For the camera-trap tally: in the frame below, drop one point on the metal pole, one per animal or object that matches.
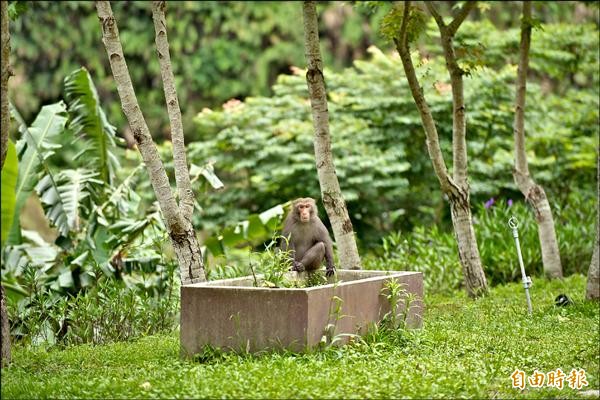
(514, 224)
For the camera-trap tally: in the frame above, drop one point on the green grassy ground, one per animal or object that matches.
(466, 349)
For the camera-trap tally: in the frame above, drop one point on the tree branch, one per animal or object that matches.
(438, 18)
(433, 144)
(182, 175)
(461, 16)
(521, 167)
(404, 25)
(459, 143)
(156, 170)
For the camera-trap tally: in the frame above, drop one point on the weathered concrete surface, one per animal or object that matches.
(232, 314)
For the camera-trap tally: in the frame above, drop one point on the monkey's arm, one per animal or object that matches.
(329, 257)
(326, 239)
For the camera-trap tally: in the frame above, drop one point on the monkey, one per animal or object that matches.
(307, 238)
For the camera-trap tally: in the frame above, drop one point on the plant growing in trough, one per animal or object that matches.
(275, 265)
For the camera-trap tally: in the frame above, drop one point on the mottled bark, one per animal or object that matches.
(533, 192)
(5, 331)
(330, 188)
(468, 252)
(182, 175)
(459, 135)
(592, 291)
(180, 229)
(5, 74)
(456, 187)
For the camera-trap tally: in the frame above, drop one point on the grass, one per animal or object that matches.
(466, 349)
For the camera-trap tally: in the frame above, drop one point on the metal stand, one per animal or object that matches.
(514, 225)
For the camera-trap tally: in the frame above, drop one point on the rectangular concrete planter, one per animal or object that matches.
(232, 314)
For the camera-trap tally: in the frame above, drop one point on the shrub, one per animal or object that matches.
(110, 311)
(434, 252)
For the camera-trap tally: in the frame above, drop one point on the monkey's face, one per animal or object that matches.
(304, 210)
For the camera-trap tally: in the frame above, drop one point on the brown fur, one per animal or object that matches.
(308, 240)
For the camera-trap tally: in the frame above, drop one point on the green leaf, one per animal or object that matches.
(10, 173)
(34, 147)
(66, 279)
(80, 259)
(89, 121)
(16, 9)
(271, 217)
(215, 246)
(391, 23)
(42, 256)
(256, 228)
(14, 290)
(63, 198)
(208, 172)
(234, 235)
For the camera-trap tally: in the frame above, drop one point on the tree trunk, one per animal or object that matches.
(5, 74)
(182, 175)
(456, 187)
(468, 252)
(330, 188)
(5, 331)
(533, 192)
(592, 291)
(180, 229)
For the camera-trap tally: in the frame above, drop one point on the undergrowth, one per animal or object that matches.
(466, 349)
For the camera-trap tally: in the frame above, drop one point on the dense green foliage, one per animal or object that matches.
(111, 310)
(225, 50)
(219, 50)
(459, 353)
(107, 263)
(262, 147)
(433, 252)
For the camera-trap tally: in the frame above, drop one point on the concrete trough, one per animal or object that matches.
(232, 314)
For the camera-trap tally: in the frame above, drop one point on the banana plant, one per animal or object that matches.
(10, 172)
(88, 121)
(36, 144)
(64, 197)
(101, 223)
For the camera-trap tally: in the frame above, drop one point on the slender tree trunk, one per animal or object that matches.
(330, 187)
(181, 232)
(592, 291)
(5, 74)
(456, 187)
(182, 175)
(533, 192)
(5, 331)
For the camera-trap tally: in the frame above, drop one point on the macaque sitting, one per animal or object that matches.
(308, 239)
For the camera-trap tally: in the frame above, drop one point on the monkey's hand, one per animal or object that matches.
(297, 266)
(329, 271)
